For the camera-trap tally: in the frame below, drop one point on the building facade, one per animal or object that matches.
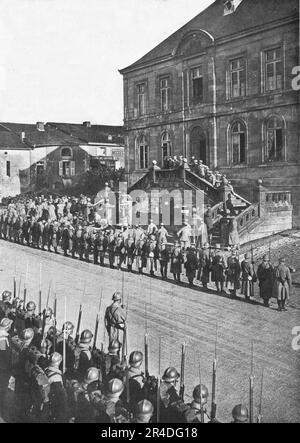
(220, 89)
(54, 155)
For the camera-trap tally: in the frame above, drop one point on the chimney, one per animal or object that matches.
(87, 124)
(22, 136)
(40, 126)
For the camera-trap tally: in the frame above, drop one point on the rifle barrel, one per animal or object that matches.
(146, 356)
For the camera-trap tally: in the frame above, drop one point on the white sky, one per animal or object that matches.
(59, 59)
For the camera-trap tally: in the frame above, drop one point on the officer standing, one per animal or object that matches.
(283, 284)
(265, 274)
(115, 318)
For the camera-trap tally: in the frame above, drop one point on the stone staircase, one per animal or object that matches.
(249, 215)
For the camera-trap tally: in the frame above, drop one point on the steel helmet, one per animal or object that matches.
(143, 411)
(114, 347)
(55, 359)
(31, 306)
(6, 296)
(200, 394)
(86, 336)
(68, 327)
(115, 387)
(6, 323)
(27, 334)
(117, 296)
(136, 359)
(91, 376)
(170, 375)
(240, 414)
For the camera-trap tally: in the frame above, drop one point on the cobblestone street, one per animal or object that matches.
(179, 314)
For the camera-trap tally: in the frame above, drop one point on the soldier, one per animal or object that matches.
(247, 278)
(152, 254)
(111, 246)
(120, 251)
(240, 414)
(5, 304)
(185, 234)
(85, 396)
(172, 408)
(65, 240)
(143, 412)
(58, 345)
(5, 326)
(191, 265)
(87, 242)
(96, 243)
(164, 258)
(115, 318)
(103, 243)
(130, 251)
(135, 377)
(204, 265)
(283, 284)
(109, 363)
(59, 409)
(176, 262)
(28, 319)
(197, 412)
(218, 268)
(83, 354)
(141, 254)
(162, 234)
(152, 228)
(110, 408)
(265, 274)
(233, 273)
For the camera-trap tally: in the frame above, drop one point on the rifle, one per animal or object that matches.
(214, 381)
(158, 384)
(48, 296)
(97, 322)
(25, 286)
(15, 287)
(260, 416)
(146, 357)
(201, 403)
(40, 290)
(251, 379)
(182, 386)
(123, 286)
(270, 251)
(64, 340)
(19, 290)
(79, 317)
(54, 313)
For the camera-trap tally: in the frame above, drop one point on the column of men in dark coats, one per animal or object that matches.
(147, 250)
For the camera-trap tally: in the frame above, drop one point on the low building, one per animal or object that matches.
(54, 155)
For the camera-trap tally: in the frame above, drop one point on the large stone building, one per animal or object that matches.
(54, 155)
(220, 89)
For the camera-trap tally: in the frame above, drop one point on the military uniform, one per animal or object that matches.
(283, 284)
(115, 319)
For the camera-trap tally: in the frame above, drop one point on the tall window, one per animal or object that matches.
(166, 145)
(8, 168)
(274, 69)
(197, 84)
(238, 78)
(66, 168)
(238, 143)
(275, 140)
(143, 153)
(165, 94)
(141, 97)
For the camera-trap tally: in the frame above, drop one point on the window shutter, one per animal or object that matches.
(72, 169)
(60, 172)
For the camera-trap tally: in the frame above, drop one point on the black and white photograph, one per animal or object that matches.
(149, 214)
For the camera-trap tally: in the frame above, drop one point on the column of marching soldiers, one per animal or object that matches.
(51, 375)
(149, 249)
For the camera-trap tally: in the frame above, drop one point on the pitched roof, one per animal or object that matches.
(249, 14)
(57, 134)
(93, 133)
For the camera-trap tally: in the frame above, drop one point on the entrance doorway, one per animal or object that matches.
(199, 145)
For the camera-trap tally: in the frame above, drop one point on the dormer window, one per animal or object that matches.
(230, 6)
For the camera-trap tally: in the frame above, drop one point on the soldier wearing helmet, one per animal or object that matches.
(172, 407)
(115, 317)
(197, 412)
(85, 396)
(83, 354)
(143, 412)
(283, 284)
(6, 304)
(59, 409)
(5, 325)
(109, 363)
(28, 319)
(110, 408)
(67, 331)
(240, 414)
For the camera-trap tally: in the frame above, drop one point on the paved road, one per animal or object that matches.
(177, 315)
